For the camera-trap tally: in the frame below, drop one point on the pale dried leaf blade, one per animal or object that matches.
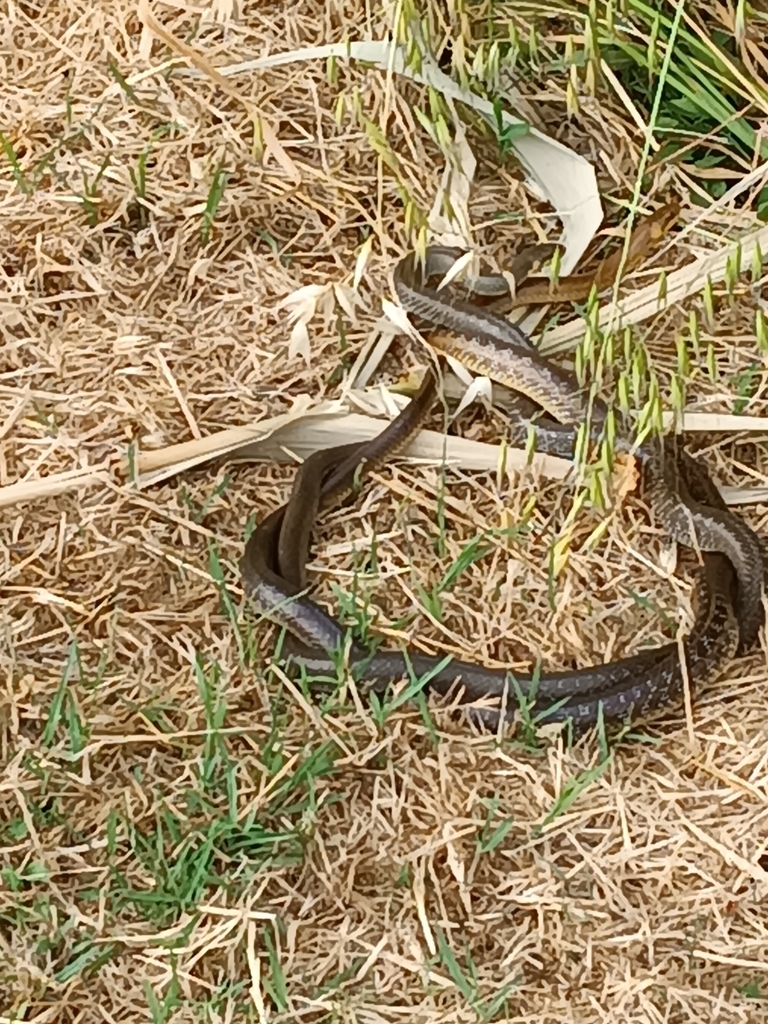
(479, 388)
(347, 299)
(456, 183)
(561, 176)
(463, 375)
(372, 352)
(361, 262)
(303, 301)
(305, 436)
(644, 303)
(459, 268)
(299, 343)
(399, 318)
(163, 463)
(25, 491)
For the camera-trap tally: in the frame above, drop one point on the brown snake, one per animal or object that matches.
(273, 564)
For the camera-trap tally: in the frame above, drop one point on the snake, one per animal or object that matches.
(639, 684)
(273, 563)
(577, 287)
(489, 344)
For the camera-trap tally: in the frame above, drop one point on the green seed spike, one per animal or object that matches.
(637, 382)
(533, 42)
(413, 55)
(426, 122)
(603, 468)
(501, 465)
(598, 370)
(514, 37)
(658, 412)
(494, 64)
(595, 347)
(642, 361)
(596, 493)
(571, 96)
(693, 324)
(591, 52)
(339, 108)
(622, 388)
(709, 304)
(677, 393)
(652, 418)
(652, 48)
(530, 444)
(589, 338)
(628, 348)
(653, 386)
(662, 287)
(609, 16)
(756, 270)
(593, 310)
(731, 275)
(712, 363)
(417, 228)
(590, 78)
(683, 360)
(560, 551)
(579, 501)
(761, 331)
(598, 481)
(408, 217)
(609, 349)
(606, 476)
(610, 434)
(740, 22)
(404, 17)
(578, 364)
(649, 409)
(380, 145)
(421, 242)
(442, 134)
(478, 63)
(528, 508)
(554, 265)
(568, 51)
(592, 541)
(331, 70)
(448, 210)
(592, 37)
(581, 445)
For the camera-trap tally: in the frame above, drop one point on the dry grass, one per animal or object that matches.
(185, 835)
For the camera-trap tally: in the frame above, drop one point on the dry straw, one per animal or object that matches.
(188, 833)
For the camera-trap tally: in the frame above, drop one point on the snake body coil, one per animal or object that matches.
(639, 684)
(491, 346)
(686, 500)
